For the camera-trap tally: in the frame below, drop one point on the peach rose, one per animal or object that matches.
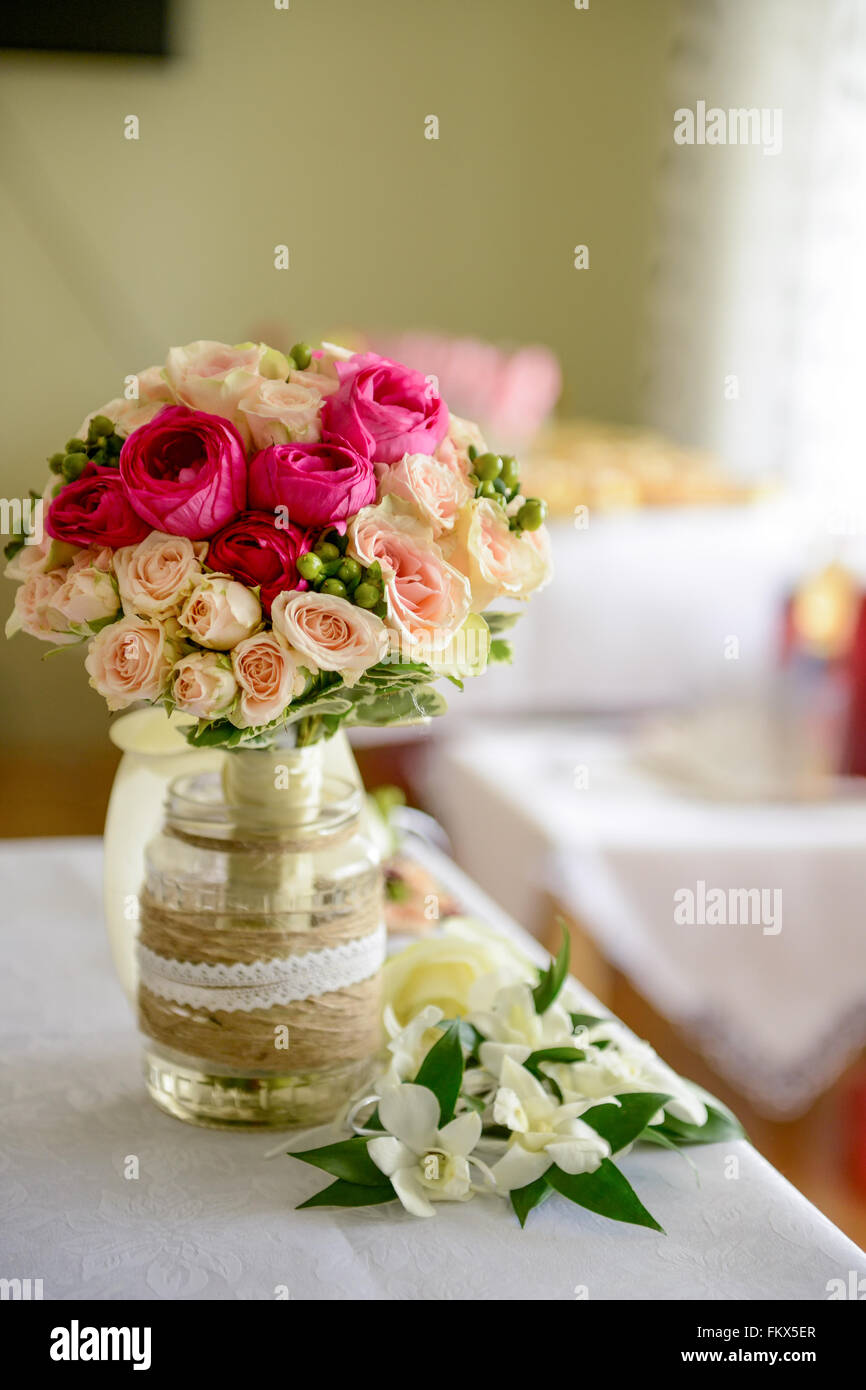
(428, 599)
(220, 612)
(34, 611)
(203, 684)
(215, 378)
(435, 487)
(87, 596)
(455, 445)
(130, 660)
(154, 394)
(330, 633)
(98, 557)
(283, 412)
(500, 563)
(269, 679)
(30, 559)
(155, 575)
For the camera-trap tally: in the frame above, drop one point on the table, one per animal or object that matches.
(566, 810)
(208, 1217)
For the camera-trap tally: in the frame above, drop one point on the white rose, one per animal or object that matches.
(220, 612)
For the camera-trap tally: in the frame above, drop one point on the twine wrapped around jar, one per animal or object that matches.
(261, 940)
(197, 997)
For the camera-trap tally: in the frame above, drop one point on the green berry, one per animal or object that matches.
(75, 446)
(487, 489)
(335, 587)
(374, 572)
(510, 474)
(366, 595)
(488, 467)
(349, 571)
(531, 515)
(73, 466)
(326, 552)
(55, 463)
(303, 355)
(100, 424)
(310, 567)
(381, 610)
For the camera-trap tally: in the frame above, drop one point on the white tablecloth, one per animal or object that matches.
(208, 1217)
(566, 811)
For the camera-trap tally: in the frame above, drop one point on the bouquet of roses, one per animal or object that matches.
(260, 540)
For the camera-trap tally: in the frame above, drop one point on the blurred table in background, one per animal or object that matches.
(778, 1006)
(642, 607)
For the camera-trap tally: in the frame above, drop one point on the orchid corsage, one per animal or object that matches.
(519, 1098)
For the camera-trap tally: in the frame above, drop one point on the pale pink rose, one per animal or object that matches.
(130, 660)
(155, 576)
(455, 445)
(215, 378)
(269, 678)
(499, 562)
(154, 394)
(87, 596)
(99, 557)
(283, 412)
(30, 559)
(34, 611)
(220, 612)
(329, 633)
(435, 487)
(428, 599)
(203, 684)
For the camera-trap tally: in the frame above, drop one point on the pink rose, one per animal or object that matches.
(330, 633)
(95, 510)
(88, 596)
(435, 487)
(261, 553)
(130, 660)
(499, 562)
(154, 576)
(455, 445)
(30, 559)
(280, 412)
(219, 612)
(203, 684)
(154, 393)
(185, 472)
(319, 484)
(384, 410)
(34, 611)
(269, 679)
(428, 600)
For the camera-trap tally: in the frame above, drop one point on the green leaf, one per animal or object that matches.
(349, 1159)
(586, 1020)
(524, 1199)
(350, 1194)
(720, 1125)
(501, 651)
(553, 1054)
(622, 1124)
(551, 980)
(470, 1037)
(500, 622)
(442, 1072)
(605, 1191)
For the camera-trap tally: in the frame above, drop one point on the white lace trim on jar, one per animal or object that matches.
(262, 984)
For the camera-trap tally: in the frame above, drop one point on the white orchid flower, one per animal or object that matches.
(544, 1132)
(624, 1067)
(514, 1029)
(424, 1163)
(410, 1045)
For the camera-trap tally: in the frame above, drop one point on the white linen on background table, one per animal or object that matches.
(780, 1015)
(210, 1218)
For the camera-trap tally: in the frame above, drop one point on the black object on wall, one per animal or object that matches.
(134, 27)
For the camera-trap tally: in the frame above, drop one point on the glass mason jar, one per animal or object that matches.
(260, 944)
